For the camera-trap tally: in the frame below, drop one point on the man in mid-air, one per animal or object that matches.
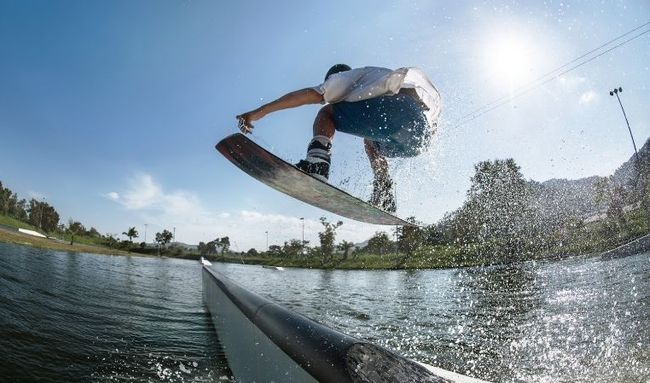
(394, 111)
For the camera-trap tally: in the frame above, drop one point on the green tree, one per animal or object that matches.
(50, 218)
(109, 240)
(131, 233)
(21, 211)
(292, 248)
(164, 238)
(410, 238)
(603, 190)
(42, 215)
(379, 244)
(93, 233)
(496, 212)
(613, 197)
(345, 247)
(327, 237)
(202, 248)
(74, 228)
(224, 244)
(8, 201)
(434, 235)
(617, 202)
(274, 251)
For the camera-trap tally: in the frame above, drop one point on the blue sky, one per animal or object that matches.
(110, 110)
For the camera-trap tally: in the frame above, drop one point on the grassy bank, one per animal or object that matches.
(581, 239)
(18, 238)
(13, 222)
(430, 257)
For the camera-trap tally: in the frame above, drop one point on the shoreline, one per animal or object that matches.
(363, 262)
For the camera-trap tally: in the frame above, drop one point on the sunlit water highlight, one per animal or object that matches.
(81, 317)
(578, 320)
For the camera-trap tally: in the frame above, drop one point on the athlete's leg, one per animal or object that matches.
(324, 123)
(382, 186)
(378, 162)
(317, 162)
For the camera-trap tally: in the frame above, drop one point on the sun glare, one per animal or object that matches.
(509, 59)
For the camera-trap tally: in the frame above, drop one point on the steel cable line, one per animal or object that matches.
(554, 74)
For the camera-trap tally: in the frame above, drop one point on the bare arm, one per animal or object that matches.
(378, 162)
(289, 100)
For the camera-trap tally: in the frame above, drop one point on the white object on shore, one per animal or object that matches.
(205, 262)
(31, 232)
(280, 268)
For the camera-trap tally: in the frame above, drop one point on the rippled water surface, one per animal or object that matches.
(577, 320)
(80, 317)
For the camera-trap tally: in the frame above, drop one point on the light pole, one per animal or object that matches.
(145, 233)
(40, 216)
(641, 170)
(615, 92)
(302, 247)
(174, 235)
(267, 240)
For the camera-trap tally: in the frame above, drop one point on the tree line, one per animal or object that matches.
(44, 217)
(36, 213)
(499, 221)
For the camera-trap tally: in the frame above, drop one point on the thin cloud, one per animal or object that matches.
(571, 83)
(113, 196)
(588, 97)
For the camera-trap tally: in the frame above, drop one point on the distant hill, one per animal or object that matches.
(628, 173)
(556, 199)
(184, 245)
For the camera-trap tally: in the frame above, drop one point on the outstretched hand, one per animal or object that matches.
(245, 122)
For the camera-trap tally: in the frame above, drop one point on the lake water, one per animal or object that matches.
(82, 317)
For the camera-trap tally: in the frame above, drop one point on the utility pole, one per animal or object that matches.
(267, 240)
(145, 233)
(174, 235)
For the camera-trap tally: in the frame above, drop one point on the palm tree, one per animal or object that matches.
(345, 247)
(131, 233)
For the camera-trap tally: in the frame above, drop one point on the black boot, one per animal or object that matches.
(320, 170)
(317, 163)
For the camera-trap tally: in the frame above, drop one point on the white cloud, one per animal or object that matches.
(588, 97)
(194, 222)
(145, 194)
(114, 196)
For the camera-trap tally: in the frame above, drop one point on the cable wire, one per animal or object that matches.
(554, 73)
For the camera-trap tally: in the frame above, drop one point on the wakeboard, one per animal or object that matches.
(273, 171)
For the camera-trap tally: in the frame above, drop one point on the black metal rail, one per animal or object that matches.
(325, 354)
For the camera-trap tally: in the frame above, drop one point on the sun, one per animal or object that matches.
(509, 59)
